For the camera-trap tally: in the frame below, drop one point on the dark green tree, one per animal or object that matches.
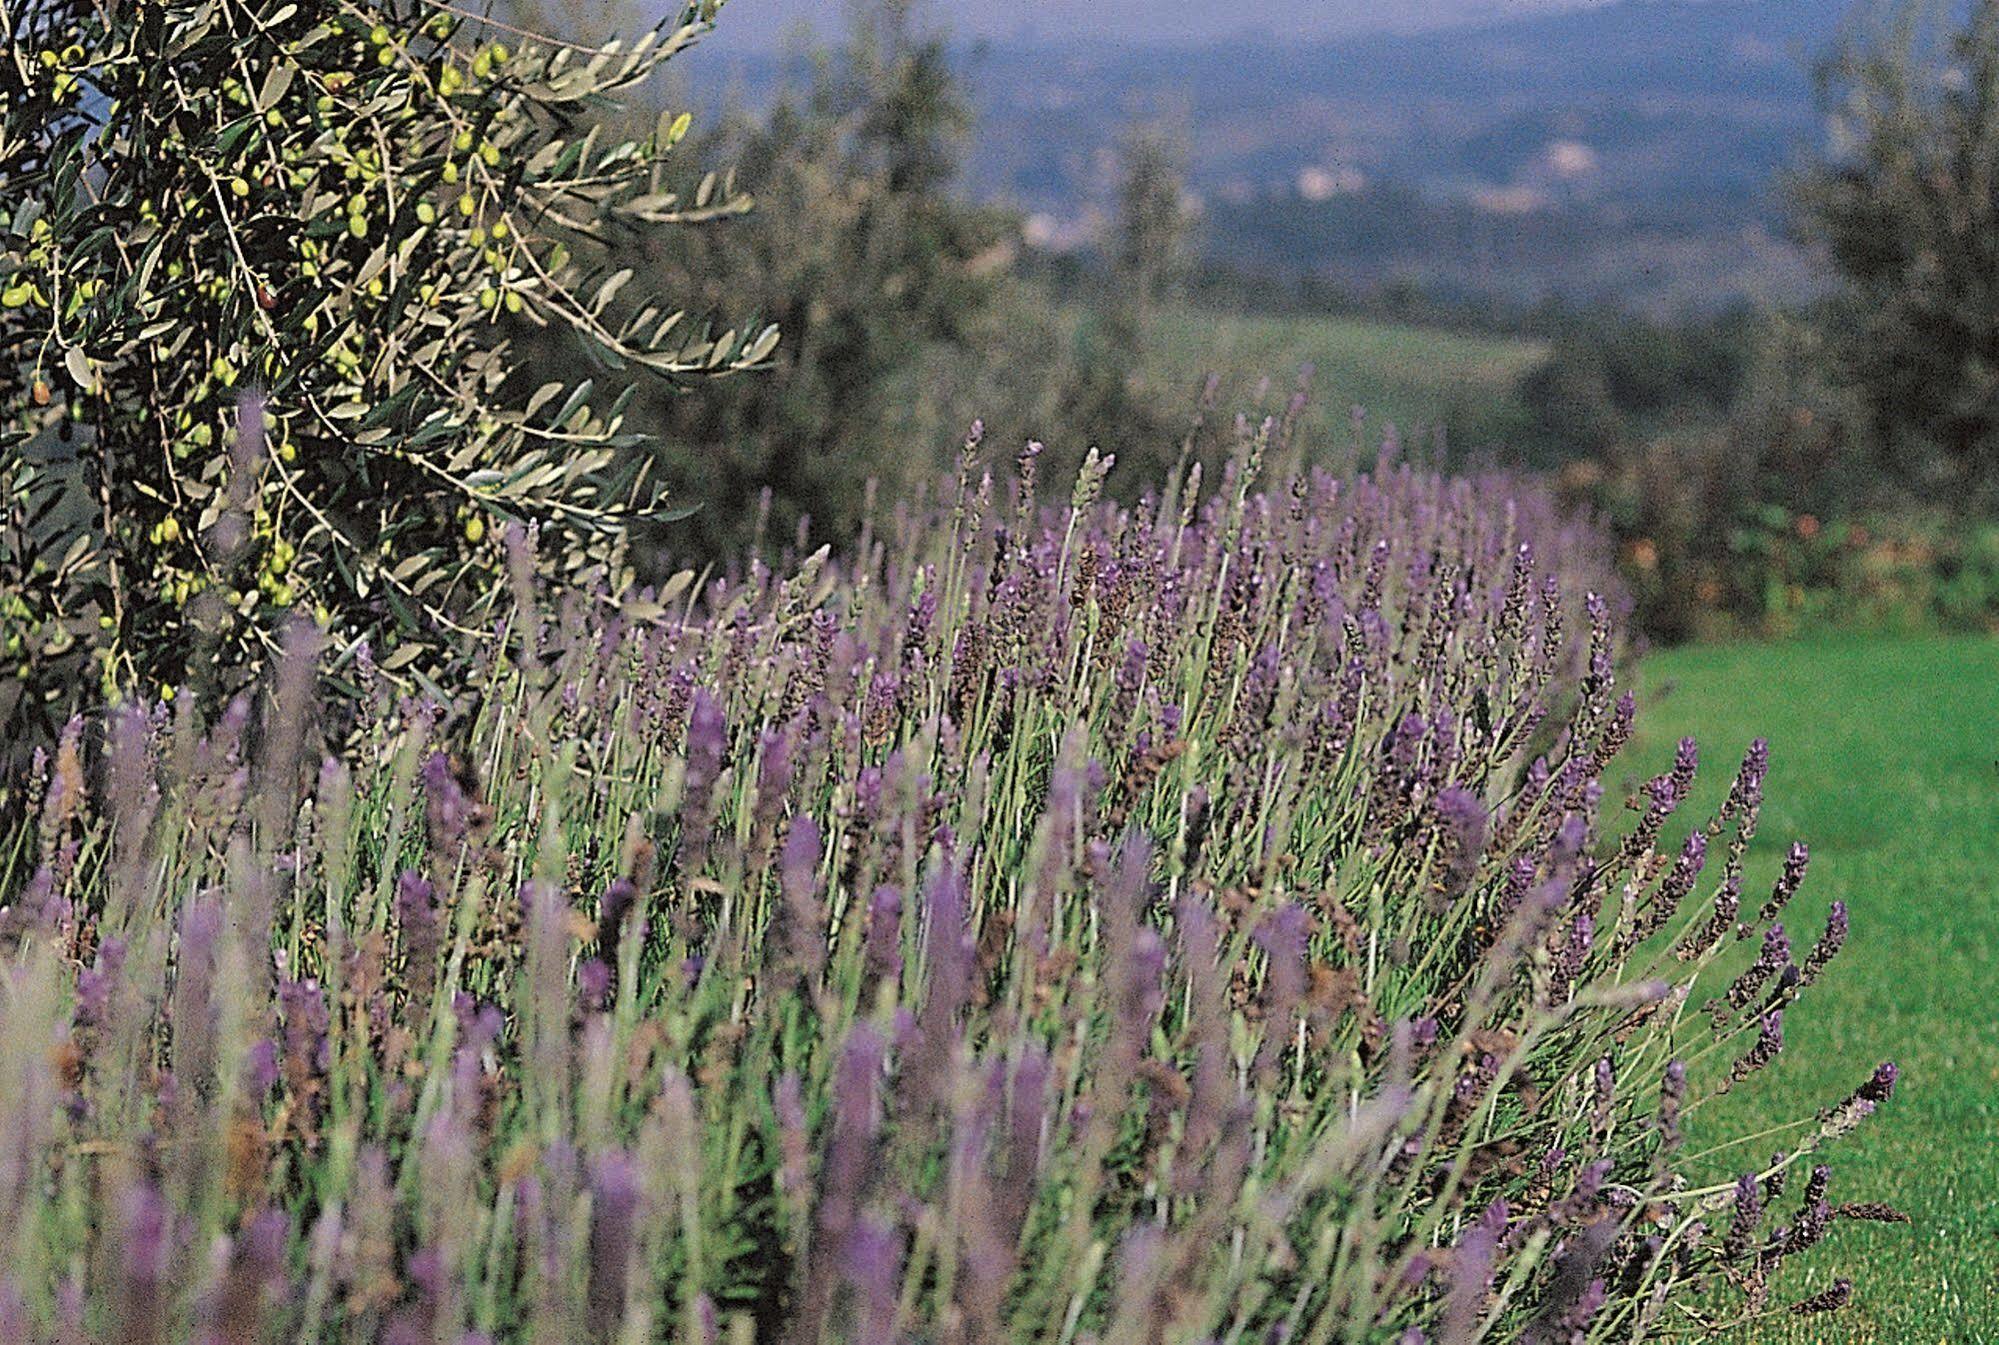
(1153, 226)
(1145, 260)
(860, 255)
(1907, 209)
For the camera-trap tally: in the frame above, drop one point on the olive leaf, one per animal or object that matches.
(278, 252)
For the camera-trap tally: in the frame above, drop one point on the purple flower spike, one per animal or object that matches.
(1672, 1099)
(1464, 819)
(1828, 946)
(1748, 1214)
(614, 1201)
(1788, 882)
(1769, 1041)
(1881, 1086)
(1471, 1276)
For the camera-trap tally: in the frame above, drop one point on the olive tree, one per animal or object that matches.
(332, 211)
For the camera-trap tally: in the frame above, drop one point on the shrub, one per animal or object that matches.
(1611, 378)
(1778, 519)
(1897, 572)
(1081, 923)
(1709, 555)
(334, 203)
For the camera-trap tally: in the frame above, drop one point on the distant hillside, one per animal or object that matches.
(754, 24)
(1628, 151)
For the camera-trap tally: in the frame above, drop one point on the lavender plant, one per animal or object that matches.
(1200, 921)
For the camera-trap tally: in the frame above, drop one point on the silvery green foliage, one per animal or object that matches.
(343, 204)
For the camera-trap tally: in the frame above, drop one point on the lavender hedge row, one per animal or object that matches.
(1205, 921)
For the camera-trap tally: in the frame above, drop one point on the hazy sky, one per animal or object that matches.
(758, 23)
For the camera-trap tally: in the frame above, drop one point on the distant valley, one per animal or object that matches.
(1629, 153)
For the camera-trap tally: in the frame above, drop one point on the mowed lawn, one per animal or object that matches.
(1885, 760)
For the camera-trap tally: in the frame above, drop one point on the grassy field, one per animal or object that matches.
(1885, 760)
(1412, 376)
(1415, 377)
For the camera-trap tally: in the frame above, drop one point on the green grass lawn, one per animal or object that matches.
(1885, 760)
(1413, 376)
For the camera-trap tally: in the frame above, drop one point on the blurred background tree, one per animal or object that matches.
(1146, 258)
(1150, 245)
(864, 261)
(1907, 209)
(906, 309)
